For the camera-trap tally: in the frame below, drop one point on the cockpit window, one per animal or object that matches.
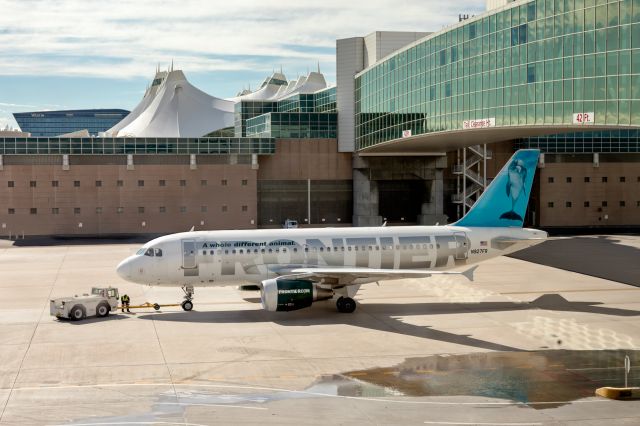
(149, 252)
(158, 252)
(141, 251)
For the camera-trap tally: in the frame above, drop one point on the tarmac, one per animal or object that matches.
(526, 343)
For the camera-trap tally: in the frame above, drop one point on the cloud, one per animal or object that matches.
(124, 39)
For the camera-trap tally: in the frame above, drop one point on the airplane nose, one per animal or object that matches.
(124, 269)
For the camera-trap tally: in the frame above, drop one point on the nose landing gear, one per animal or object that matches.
(187, 304)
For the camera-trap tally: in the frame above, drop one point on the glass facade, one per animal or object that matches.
(615, 141)
(246, 110)
(294, 125)
(323, 101)
(56, 123)
(542, 62)
(105, 146)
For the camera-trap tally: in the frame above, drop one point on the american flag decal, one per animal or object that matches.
(483, 243)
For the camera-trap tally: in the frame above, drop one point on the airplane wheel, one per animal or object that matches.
(346, 305)
(187, 305)
(156, 306)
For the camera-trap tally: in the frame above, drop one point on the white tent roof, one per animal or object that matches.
(272, 88)
(173, 107)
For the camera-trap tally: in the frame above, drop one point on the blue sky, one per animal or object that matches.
(68, 54)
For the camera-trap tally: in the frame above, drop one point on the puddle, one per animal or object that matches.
(544, 379)
(540, 380)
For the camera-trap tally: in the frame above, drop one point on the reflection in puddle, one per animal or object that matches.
(543, 379)
(537, 378)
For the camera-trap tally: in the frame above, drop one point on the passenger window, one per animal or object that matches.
(295, 249)
(149, 252)
(270, 250)
(204, 252)
(158, 252)
(211, 252)
(349, 248)
(241, 251)
(342, 248)
(226, 252)
(306, 249)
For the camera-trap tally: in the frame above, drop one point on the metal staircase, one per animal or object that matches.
(471, 172)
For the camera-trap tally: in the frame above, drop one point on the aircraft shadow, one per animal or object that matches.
(387, 317)
(602, 256)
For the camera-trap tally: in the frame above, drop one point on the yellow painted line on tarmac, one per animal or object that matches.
(358, 374)
(424, 371)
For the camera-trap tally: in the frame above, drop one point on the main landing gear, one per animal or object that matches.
(187, 305)
(346, 305)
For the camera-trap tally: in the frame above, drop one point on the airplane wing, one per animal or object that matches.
(353, 276)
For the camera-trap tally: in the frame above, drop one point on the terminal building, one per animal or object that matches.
(56, 123)
(414, 129)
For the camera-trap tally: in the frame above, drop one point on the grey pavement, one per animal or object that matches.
(525, 343)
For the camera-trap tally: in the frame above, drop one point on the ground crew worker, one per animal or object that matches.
(124, 300)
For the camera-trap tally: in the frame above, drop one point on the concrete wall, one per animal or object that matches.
(349, 61)
(315, 159)
(379, 44)
(227, 206)
(577, 192)
(284, 190)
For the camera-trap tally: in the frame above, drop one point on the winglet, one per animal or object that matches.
(469, 272)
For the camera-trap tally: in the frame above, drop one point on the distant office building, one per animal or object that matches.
(56, 123)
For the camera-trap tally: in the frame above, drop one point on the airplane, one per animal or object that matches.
(296, 267)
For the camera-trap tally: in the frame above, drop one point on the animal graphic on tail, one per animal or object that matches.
(516, 186)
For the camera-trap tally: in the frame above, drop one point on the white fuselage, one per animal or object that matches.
(218, 258)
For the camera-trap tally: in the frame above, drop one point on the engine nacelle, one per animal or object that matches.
(290, 295)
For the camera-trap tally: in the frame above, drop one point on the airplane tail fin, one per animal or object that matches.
(504, 202)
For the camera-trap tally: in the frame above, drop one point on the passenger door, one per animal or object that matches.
(189, 254)
(462, 245)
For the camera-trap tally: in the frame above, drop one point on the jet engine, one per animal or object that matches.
(290, 295)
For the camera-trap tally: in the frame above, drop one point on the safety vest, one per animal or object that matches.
(124, 298)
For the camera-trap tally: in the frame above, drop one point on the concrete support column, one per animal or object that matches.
(65, 162)
(193, 164)
(365, 196)
(1, 163)
(254, 162)
(130, 165)
(433, 207)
